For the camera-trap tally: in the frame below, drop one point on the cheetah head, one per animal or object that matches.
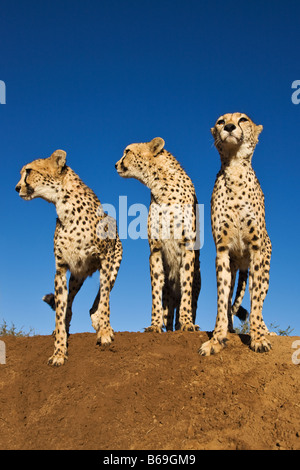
(233, 132)
(138, 159)
(39, 178)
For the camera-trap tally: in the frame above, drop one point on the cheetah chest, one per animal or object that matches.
(231, 229)
(80, 255)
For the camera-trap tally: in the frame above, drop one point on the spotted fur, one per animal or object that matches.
(239, 231)
(85, 241)
(174, 261)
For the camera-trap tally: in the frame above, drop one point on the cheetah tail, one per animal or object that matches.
(237, 309)
(242, 314)
(49, 299)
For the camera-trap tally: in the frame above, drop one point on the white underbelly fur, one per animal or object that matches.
(172, 259)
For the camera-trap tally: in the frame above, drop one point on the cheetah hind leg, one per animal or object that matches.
(117, 261)
(116, 265)
(105, 333)
(100, 312)
(103, 337)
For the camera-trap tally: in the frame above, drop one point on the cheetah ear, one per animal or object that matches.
(156, 145)
(59, 159)
(258, 130)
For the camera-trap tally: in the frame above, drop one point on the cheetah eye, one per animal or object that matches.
(243, 119)
(221, 122)
(28, 171)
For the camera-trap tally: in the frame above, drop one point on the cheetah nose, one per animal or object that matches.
(116, 166)
(18, 188)
(229, 127)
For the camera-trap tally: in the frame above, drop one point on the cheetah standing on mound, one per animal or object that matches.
(172, 233)
(85, 241)
(239, 230)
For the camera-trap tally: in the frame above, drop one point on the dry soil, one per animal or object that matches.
(149, 391)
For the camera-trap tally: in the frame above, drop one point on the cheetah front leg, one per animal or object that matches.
(196, 285)
(258, 330)
(157, 283)
(101, 317)
(219, 338)
(61, 297)
(186, 283)
(266, 258)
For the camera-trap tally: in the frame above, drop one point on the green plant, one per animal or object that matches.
(5, 330)
(244, 329)
(276, 329)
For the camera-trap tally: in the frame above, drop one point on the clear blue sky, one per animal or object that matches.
(91, 77)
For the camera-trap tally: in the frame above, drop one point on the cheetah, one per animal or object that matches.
(172, 234)
(239, 231)
(85, 241)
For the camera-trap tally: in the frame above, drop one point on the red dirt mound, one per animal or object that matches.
(149, 392)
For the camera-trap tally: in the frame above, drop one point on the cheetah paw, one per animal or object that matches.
(262, 345)
(57, 360)
(153, 329)
(213, 346)
(189, 327)
(105, 337)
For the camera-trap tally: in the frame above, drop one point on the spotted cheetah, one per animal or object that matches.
(239, 230)
(172, 233)
(85, 241)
